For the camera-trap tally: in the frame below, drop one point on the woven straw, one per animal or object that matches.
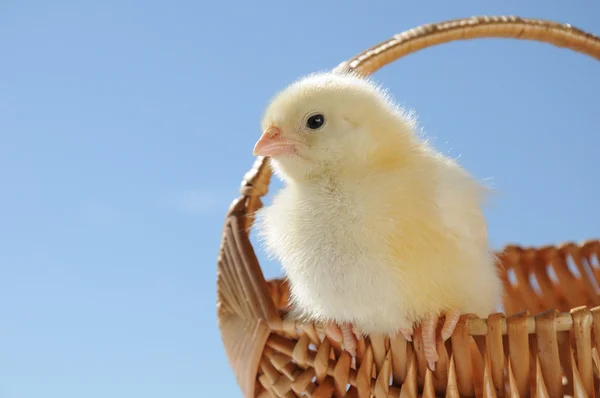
(549, 354)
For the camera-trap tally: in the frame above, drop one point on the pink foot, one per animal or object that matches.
(428, 333)
(343, 334)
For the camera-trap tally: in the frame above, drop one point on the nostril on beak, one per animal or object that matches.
(272, 132)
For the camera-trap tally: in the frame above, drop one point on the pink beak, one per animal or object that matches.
(272, 143)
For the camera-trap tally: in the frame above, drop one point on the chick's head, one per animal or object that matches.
(329, 123)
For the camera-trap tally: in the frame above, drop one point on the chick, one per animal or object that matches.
(376, 231)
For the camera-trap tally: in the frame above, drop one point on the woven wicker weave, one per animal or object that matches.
(547, 355)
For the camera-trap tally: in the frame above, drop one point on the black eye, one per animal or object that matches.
(315, 121)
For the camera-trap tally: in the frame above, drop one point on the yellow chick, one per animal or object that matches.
(376, 232)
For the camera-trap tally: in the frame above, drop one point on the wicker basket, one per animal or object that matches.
(551, 354)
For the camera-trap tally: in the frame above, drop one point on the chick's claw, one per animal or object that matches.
(407, 333)
(428, 329)
(343, 334)
(428, 334)
(452, 318)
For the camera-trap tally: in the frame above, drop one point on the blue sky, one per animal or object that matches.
(126, 127)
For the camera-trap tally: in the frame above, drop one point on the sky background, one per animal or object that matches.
(126, 127)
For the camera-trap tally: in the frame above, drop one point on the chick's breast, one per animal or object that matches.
(329, 240)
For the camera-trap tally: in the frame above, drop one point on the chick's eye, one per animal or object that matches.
(315, 121)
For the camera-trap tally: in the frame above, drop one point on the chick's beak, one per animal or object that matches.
(272, 143)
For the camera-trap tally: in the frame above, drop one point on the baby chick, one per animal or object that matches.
(376, 232)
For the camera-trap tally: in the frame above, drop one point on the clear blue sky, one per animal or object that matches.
(126, 127)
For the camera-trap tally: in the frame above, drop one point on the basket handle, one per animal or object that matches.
(256, 181)
(511, 27)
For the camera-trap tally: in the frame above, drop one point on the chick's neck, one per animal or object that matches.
(364, 166)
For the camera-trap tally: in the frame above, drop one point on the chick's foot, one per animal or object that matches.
(344, 334)
(428, 330)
